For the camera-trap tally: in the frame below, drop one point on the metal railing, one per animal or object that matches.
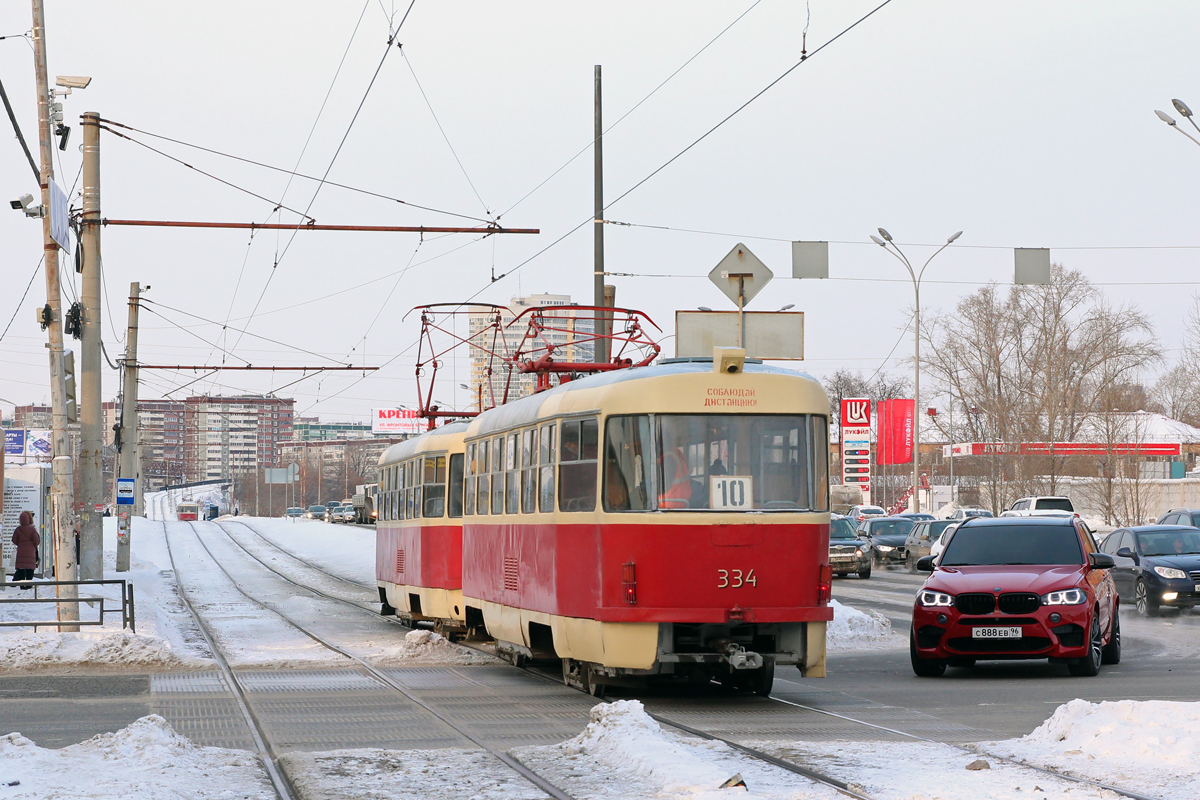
(126, 610)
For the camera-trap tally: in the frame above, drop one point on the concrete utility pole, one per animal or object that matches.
(601, 349)
(62, 500)
(91, 418)
(128, 451)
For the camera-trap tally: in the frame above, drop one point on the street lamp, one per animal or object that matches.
(1182, 108)
(887, 244)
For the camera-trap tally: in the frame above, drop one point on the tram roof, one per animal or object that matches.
(526, 411)
(423, 443)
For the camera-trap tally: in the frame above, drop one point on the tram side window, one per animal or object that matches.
(529, 471)
(512, 477)
(577, 465)
(483, 492)
(433, 490)
(455, 504)
(627, 457)
(546, 453)
(820, 460)
(410, 494)
(472, 482)
(498, 475)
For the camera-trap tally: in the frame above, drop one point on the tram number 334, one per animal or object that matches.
(735, 579)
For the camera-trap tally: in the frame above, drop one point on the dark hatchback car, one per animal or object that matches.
(1156, 565)
(1017, 588)
(887, 536)
(847, 552)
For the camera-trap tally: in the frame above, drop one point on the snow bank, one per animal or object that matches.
(624, 753)
(146, 761)
(426, 648)
(52, 650)
(1146, 745)
(852, 629)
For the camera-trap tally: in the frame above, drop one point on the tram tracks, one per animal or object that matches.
(260, 735)
(808, 771)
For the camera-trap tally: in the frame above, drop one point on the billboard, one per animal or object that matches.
(14, 443)
(396, 420)
(856, 444)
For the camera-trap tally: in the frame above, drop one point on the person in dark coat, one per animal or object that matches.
(26, 538)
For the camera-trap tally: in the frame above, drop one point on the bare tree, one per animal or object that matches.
(1033, 365)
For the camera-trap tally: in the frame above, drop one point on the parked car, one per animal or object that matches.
(968, 513)
(1040, 506)
(1156, 565)
(915, 515)
(847, 552)
(1017, 588)
(858, 513)
(294, 512)
(920, 540)
(315, 512)
(1181, 516)
(887, 536)
(939, 544)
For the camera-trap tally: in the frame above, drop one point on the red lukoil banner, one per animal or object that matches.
(895, 431)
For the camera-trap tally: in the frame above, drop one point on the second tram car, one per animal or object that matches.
(418, 528)
(665, 520)
(187, 511)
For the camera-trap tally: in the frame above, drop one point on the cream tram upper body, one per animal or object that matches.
(607, 506)
(418, 528)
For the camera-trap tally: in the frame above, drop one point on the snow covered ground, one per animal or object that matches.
(145, 761)
(623, 754)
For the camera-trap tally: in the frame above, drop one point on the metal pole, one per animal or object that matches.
(954, 375)
(91, 419)
(601, 354)
(917, 397)
(741, 311)
(62, 498)
(127, 464)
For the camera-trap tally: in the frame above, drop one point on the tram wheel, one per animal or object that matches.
(596, 690)
(763, 679)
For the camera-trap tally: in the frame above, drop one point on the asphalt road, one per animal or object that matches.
(1160, 661)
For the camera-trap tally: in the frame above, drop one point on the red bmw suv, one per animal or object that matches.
(1017, 588)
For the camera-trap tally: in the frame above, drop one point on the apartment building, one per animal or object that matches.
(227, 436)
(480, 317)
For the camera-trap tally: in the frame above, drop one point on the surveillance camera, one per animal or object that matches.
(73, 81)
(731, 360)
(21, 202)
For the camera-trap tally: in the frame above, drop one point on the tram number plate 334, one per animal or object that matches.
(735, 579)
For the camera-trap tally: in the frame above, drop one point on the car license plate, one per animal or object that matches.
(1198, 587)
(995, 633)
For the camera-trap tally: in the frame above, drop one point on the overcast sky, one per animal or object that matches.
(1024, 124)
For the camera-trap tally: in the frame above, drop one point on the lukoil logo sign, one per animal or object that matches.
(856, 411)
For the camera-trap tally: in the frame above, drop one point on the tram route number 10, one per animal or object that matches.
(734, 579)
(731, 491)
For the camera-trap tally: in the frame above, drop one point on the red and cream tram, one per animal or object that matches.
(418, 528)
(670, 519)
(185, 512)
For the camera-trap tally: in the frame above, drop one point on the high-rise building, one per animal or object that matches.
(567, 350)
(228, 436)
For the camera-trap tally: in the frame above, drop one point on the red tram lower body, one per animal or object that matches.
(645, 599)
(418, 569)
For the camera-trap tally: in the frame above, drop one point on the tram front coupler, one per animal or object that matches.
(737, 656)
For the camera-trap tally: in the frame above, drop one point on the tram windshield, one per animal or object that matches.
(721, 462)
